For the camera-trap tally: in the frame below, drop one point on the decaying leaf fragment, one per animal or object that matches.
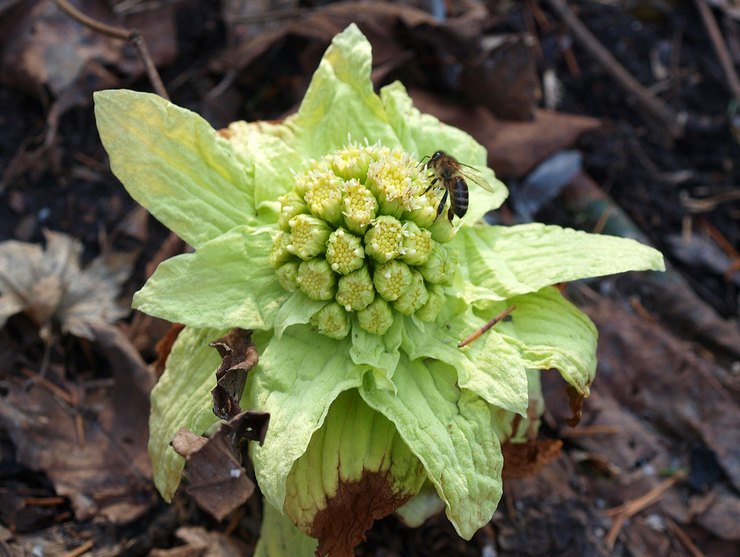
(50, 287)
(238, 356)
(218, 481)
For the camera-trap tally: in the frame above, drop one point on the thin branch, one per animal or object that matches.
(120, 33)
(672, 121)
(720, 48)
(480, 332)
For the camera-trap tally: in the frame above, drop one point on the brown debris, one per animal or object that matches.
(217, 480)
(576, 401)
(364, 501)
(107, 473)
(527, 459)
(200, 542)
(164, 347)
(238, 356)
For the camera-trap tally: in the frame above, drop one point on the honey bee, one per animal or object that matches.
(448, 171)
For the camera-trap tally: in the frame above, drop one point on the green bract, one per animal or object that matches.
(319, 235)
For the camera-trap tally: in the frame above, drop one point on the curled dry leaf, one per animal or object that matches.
(218, 481)
(238, 356)
(49, 285)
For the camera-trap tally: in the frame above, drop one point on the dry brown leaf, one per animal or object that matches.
(50, 287)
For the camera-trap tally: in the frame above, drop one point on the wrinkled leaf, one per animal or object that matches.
(448, 429)
(299, 375)
(49, 285)
(181, 399)
(355, 465)
(182, 167)
(226, 283)
(500, 262)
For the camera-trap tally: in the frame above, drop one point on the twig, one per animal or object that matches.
(480, 332)
(631, 508)
(80, 549)
(131, 35)
(684, 538)
(725, 60)
(673, 122)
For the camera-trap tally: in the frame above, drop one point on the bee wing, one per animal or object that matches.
(472, 174)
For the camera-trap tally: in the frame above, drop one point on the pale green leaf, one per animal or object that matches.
(423, 134)
(550, 333)
(449, 430)
(498, 262)
(490, 367)
(227, 282)
(269, 150)
(298, 309)
(298, 377)
(379, 352)
(354, 443)
(181, 398)
(340, 104)
(173, 163)
(421, 506)
(280, 538)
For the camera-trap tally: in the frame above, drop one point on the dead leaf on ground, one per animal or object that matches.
(653, 374)
(217, 481)
(50, 287)
(514, 148)
(43, 47)
(200, 542)
(106, 472)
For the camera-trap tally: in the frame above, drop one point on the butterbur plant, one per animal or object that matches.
(320, 234)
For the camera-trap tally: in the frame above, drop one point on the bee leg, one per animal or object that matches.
(442, 204)
(450, 214)
(431, 185)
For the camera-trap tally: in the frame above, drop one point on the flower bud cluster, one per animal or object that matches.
(360, 231)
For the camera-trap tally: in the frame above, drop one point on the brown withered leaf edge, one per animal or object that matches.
(217, 480)
(342, 524)
(164, 347)
(238, 356)
(522, 460)
(576, 405)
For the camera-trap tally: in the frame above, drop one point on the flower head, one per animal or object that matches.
(324, 239)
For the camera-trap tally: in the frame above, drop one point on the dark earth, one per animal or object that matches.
(653, 468)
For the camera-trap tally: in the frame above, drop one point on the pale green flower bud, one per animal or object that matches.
(355, 291)
(350, 162)
(392, 279)
(291, 204)
(376, 318)
(308, 236)
(396, 180)
(414, 297)
(287, 276)
(316, 279)
(332, 321)
(437, 269)
(280, 253)
(424, 212)
(344, 252)
(324, 192)
(433, 307)
(417, 244)
(359, 206)
(384, 240)
(442, 229)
